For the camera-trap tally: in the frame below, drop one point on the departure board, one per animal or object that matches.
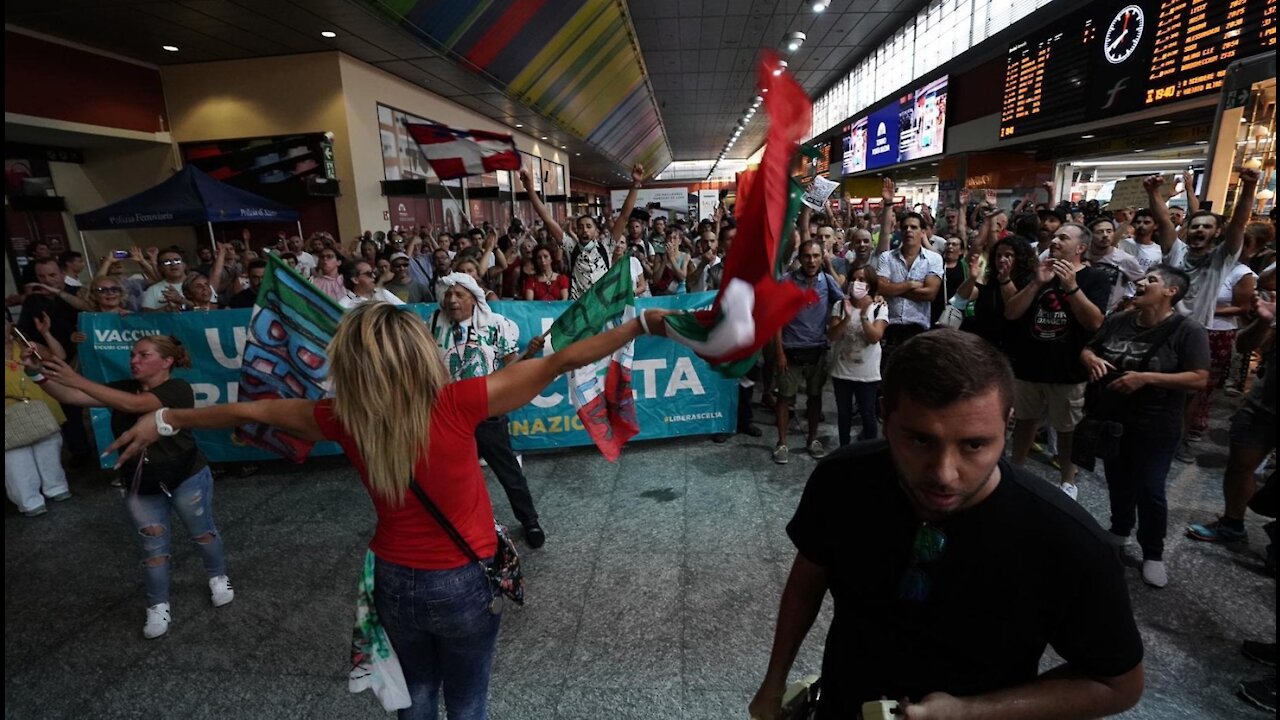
(1118, 56)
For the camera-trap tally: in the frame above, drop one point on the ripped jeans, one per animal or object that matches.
(150, 517)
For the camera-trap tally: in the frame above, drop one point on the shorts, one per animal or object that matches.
(1252, 427)
(1061, 404)
(811, 377)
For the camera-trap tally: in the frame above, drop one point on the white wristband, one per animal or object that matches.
(162, 427)
(643, 324)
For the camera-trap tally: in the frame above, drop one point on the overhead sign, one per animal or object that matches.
(1118, 56)
(669, 198)
(910, 128)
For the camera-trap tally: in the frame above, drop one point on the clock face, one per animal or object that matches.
(1123, 34)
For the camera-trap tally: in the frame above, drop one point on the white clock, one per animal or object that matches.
(1124, 33)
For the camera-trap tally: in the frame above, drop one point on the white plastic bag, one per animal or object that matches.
(374, 665)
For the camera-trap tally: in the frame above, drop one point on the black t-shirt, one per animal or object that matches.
(171, 459)
(63, 319)
(1123, 343)
(244, 299)
(953, 279)
(1023, 569)
(1044, 344)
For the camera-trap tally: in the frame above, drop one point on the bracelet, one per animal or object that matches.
(1073, 290)
(644, 325)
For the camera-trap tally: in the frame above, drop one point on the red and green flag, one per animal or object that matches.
(601, 391)
(753, 304)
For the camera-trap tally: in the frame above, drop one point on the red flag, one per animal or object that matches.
(760, 212)
(455, 153)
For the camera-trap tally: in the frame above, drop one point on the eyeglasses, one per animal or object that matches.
(399, 266)
(926, 549)
(366, 273)
(171, 262)
(107, 290)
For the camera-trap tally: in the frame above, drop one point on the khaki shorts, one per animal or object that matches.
(1060, 404)
(810, 378)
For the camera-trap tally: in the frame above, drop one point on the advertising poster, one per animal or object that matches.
(855, 148)
(922, 117)
(882, 142)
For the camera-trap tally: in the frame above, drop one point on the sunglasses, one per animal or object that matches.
(171, 262)
(926, 550)
(107, 290)
(399, 266)
(367, 273)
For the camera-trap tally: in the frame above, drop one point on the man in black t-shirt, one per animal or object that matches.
(1051, 320)
(963, 568)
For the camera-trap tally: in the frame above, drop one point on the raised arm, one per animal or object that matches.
(70, 387)
(1159, 206)
(1189, 187)
(219, 264)
(1233, 240)
(1018, 305)
(553, 228)
(512, 387)
(887, 191)
(620, 224)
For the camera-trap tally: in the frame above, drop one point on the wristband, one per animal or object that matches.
(162, 427)
(1073, 290)
(644, 325)
(38, 378)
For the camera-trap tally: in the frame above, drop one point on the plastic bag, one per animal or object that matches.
(374, 664)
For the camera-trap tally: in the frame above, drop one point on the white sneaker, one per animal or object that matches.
(1070, 489)
(157, 621)
(1154, 574)
(220, 590)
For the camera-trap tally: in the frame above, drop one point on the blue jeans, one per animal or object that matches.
(150, 517)
(1136, 486)
(846, 392)
(440, 625)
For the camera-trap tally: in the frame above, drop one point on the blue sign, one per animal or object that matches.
(882, 137)
(677, 393)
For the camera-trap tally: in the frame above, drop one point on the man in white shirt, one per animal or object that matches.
(306, 261)
(1143, 246)
(910, 277)
(364, 285)
(173, 272)
(1121, 267)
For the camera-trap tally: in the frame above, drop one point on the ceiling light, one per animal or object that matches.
(1202, 142)
(782, 65)
(795, 40)
(1139, 150)
(577, 154)
(169, 48)
(519, 125)
(820, 5)
(1087, 137)
(1163, 122)
(764, 90)
(564, 147)
(329, 34)
(544, 137)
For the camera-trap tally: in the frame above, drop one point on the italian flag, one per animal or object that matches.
(601, 392)
(753, 304)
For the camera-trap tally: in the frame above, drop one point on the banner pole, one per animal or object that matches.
(84, 248)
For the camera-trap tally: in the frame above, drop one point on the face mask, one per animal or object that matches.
(859, 289)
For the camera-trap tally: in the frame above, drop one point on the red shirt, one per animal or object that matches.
(543, 291)
(406, 533)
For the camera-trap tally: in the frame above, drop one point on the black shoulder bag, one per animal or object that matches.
(1100, 432)
(504, 573)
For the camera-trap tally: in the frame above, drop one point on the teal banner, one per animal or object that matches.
(677, 393)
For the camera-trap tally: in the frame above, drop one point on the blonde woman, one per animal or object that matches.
(400, 420)
(32, 472)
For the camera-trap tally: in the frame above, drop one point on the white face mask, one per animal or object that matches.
(859, 289)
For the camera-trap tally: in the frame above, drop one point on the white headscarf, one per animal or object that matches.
(483, 314)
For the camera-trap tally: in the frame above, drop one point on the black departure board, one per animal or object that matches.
(1118, 56)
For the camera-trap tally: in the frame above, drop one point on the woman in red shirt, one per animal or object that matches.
(400, 420)
(546, 284)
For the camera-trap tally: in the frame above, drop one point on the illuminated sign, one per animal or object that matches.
(1118, 56)
(910, 128)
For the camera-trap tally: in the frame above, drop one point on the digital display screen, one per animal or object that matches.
(855, 148)
(882, 137)
(922, 121)
(1118, 56)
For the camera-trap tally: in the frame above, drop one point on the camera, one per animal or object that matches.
(120, 254)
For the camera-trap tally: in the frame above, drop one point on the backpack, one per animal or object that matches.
(577, 252)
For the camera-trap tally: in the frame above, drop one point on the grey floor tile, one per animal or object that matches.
(589, 703)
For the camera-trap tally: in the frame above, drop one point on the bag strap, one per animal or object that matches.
(1162, 335)
(443, 521)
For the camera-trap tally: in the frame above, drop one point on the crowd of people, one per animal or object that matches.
(1086, 333)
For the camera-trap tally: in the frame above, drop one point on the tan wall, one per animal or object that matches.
(365, 87)
(109, 174)
(266, 97)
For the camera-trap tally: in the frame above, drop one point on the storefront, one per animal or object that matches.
(1244, 133)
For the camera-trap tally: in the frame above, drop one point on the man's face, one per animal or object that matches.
(946, 457)
(294, 244)
(1049, 225)
(1151, 290)
(660, 226)
(951, 217)
(1066, 244)
(811, 259)
(255, 278)
(50, 274)
(400, 266)
(635, 228)
(1201, 233)
(1143, 226)
(75, 266)
(464, 242)
(365, 279)
(1176, 215)
(912, 231)
(458, 303)
(41, 251)
(861, 244)
(440, 260)
(1104, 234)
(205, 254)
(315, 244)
(827, 236)
(954, 248)
(172, 267)
(710, 242)
(586, 229)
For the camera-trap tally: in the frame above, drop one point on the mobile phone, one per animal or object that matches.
(120, 254)
(27, 342)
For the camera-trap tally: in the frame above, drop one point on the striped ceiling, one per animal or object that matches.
(576, 62)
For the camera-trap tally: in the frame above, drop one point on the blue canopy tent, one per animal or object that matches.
(190, 197)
